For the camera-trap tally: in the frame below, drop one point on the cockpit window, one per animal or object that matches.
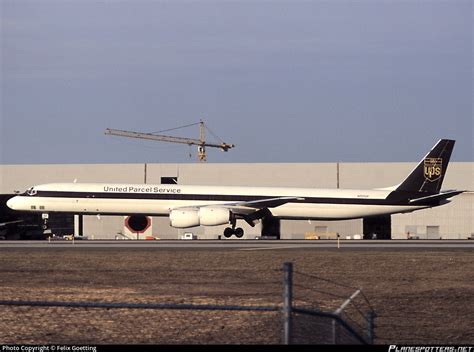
(31, 191)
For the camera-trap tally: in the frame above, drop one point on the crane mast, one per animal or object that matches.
(201, 142)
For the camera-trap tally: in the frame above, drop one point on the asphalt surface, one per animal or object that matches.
(248, 245)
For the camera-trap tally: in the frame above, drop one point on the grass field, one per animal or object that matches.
(419, 296)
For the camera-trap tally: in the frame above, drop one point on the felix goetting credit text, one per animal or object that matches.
(48, 348)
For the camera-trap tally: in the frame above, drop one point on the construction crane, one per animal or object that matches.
(201, 142)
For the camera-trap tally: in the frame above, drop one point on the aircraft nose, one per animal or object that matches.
(12, 203)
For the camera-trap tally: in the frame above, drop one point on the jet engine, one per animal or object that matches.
(183, 218)
(214, 216)
(207, 216)
(137, 223)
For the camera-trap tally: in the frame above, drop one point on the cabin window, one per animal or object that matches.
(42, 207)
(33, 207)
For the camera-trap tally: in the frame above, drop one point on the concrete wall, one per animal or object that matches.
(20, 177)
(455, 220)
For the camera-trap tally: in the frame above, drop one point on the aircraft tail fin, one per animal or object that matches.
(428, 175)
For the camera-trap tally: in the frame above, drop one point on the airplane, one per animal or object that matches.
(190, 206)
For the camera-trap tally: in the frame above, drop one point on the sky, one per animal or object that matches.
(285, 81)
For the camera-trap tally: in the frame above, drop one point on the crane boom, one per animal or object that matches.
(158, 137)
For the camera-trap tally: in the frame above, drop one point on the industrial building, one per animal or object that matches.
(452, 221)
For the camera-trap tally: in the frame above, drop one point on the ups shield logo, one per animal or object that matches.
(433, 168)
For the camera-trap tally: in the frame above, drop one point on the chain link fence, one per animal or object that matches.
(303, 316)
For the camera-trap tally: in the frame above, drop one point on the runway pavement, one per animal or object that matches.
(247, 245)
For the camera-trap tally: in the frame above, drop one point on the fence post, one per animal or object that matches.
(370, 326)
(287, 301)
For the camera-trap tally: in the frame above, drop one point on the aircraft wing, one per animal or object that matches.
(262, 203)
(254, 210)
(246, 208)
(254, 206)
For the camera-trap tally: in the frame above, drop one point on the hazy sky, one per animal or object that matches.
(285, 81)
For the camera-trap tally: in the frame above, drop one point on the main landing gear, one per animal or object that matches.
(229, 231)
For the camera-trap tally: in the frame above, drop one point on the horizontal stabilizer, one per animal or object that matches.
(434, 198)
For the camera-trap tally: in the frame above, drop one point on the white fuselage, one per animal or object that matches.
(159, 200)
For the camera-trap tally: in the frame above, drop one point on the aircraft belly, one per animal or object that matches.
(127, 206)
(101, 206)
(336, 211)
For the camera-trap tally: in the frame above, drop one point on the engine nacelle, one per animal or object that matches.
(207, 216)
(138, 223)
(182, 218)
